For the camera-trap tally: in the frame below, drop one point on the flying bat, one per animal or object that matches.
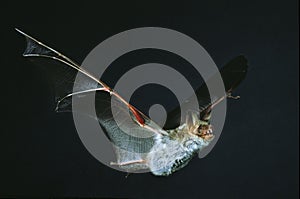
(166, 150)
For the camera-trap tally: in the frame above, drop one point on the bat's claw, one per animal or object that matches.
(127, 175)
(233, 97)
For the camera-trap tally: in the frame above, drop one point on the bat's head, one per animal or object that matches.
(200, 128)
(205, 132)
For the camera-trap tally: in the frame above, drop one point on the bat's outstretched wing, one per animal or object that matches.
(63, 71)
(232, 74)
(59, 68)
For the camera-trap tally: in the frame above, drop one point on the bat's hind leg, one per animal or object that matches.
(128, 162)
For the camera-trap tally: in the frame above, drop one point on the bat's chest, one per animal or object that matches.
(168, 156)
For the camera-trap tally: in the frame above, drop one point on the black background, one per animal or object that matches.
(257, 155)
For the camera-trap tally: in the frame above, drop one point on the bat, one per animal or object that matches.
(165, 150)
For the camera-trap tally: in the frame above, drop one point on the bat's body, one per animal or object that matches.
(165, 151)
(173, 151)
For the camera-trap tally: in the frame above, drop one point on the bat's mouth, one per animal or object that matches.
(205, 132)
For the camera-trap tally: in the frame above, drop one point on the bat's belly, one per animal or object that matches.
(166, 158)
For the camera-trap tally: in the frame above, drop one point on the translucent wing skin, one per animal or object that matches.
(136, 138)
(63, 72)
(233, 73)
(59, 68)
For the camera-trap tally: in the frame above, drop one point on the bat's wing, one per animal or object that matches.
(132, 135)
(58, 67)
(233, 73)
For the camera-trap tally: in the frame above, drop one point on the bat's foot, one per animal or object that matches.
(128, 163)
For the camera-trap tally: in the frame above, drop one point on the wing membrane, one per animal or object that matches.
(133, 124)
(232, 74)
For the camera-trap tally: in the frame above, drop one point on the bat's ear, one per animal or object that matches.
(192, 121)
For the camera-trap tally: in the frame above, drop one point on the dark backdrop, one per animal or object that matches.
(257, 154)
